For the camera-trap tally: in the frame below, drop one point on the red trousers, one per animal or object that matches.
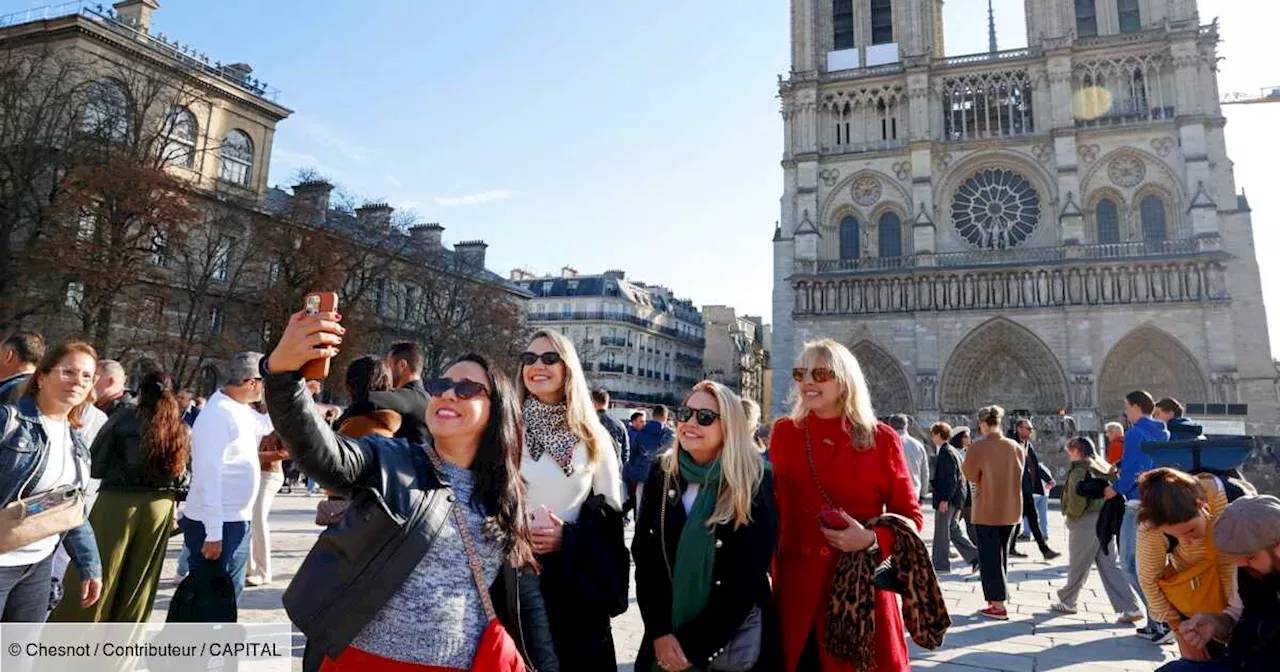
(354, 660)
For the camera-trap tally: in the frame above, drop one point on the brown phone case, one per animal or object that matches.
(318, 302)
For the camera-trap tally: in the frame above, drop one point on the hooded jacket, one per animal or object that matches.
(1183, 429)
(1135, 461)
(651, 440)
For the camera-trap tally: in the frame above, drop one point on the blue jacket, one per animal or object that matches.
(23, 457)
(1135, 461)
(1183, 429)
(651, 440)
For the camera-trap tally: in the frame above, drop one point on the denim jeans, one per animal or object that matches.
(235, 549)
(24, 592)
(1129, 553)
(1042, 509)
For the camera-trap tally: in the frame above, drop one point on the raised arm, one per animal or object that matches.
(334, 461)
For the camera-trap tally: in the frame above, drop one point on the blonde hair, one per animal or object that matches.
(855, 397)
(991, 416)
(580, 412)
(741, 468)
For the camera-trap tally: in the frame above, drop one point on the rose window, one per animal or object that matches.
(995, 209)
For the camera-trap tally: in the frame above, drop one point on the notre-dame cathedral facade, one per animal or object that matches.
(1045, 228)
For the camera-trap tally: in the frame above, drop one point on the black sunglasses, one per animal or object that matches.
(548, 358)
(465, 389)
(705, 416)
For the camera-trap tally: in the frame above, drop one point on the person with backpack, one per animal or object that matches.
(1181, 571)
(1084, 549)
(1172, 413)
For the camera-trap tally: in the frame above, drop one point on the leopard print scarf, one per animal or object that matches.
(851, 621)
(547, 431)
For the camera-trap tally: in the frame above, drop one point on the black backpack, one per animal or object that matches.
(207, 596)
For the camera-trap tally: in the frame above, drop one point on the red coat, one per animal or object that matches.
(865, 483)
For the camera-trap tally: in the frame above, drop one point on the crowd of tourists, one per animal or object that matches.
(474, 521)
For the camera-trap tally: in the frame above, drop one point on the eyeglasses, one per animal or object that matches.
(464, 389)
(548, 358)
(71, 375)
(819, 375)
(705, 416)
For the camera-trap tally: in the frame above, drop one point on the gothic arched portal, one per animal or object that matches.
(1150, 359)
(890, 391)
(1002, 362)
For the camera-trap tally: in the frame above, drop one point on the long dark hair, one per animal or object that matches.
(499, 486)
(166, 443)
(365, 374)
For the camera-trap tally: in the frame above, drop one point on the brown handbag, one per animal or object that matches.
(43, 514)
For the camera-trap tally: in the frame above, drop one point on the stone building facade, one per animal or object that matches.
(638, 341)
(1045, 228)
(736, 355)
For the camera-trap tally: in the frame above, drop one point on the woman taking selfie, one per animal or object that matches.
(420, 572)
(835, 467)
(704, 540)
(141, 456)
(43, 452)
(575, 504)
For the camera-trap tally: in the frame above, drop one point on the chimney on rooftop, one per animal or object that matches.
(429, 235)
(615, 274)
(568, 272)
(311, 200)
(522, 274)
(471, 252)
(136, 13)
(374, 215)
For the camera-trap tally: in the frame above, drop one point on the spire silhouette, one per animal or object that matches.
(991, 28)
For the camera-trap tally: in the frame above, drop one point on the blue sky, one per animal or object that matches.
(597, 133)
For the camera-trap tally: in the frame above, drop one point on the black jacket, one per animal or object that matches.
(399, 504)
(1034, 474)
(621, 437)
(1110, 519)
(118, 458)
(410, 402)
(1183, 429)
(1255, 641)
(740, 576)
(949, 483)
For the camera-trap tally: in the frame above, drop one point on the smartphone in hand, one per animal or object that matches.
(540, 519)
(832, 520)
(318, 302)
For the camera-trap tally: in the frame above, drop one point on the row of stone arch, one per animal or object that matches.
(1003, 362)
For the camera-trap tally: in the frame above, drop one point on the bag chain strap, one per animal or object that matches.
(813, 467)
(473, 558)
(662, 527)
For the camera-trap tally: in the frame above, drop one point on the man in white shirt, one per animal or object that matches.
(913, 450)
(224, 473)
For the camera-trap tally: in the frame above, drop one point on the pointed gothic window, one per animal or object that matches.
(890, 235)
(842, 23)
(1130, 16)
(1153, 219)
(881, 21)
(850, 243)
(1107, 219)
(1086, 18)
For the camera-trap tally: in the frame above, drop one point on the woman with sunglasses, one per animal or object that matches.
(705, 538)
(392, 586)
(575, 504)
(42, 451)
(835, 468)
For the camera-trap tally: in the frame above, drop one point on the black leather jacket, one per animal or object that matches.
(399, 504)
(118, 459)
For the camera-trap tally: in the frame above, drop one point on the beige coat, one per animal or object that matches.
(995, 464)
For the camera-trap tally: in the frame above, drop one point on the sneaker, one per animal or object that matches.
(995, 614)
(1164, 637)
(1130, 617)
(1146, 631)
(1050, 554)
(1063, 608)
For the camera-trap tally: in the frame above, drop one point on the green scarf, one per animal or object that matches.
(696, 554)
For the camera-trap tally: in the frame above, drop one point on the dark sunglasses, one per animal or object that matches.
(705, 416)
(818, 375)
(464, 389)
(548, 358)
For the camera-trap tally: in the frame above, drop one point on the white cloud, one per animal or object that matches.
(475, 199)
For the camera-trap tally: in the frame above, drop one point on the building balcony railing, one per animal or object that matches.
(612, 368)
(620, 318)
(1015, 256)
(988, 57)
(616, 341)
(688, 360)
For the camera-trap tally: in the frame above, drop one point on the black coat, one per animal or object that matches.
(949, 483)
(1255, 641)
(1034, 475)
(409, 401)
(740, 576)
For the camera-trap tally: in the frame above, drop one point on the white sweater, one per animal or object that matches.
(224, 464)
(564, 495)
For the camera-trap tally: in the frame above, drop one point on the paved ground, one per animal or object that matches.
(1032, 641)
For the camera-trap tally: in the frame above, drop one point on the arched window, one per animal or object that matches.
(236, 158)
(890, 235)
(1153, 219)
(1130, 16)
(1086, 18)
(1107, 218)
(180, 145)
(106, 110)
(881, 21)
(850, 243)
(842, 24)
